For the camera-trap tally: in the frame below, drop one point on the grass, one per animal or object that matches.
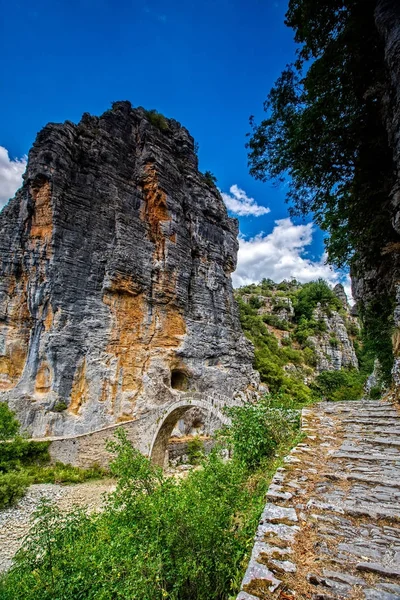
(61, 473)
(157, 538)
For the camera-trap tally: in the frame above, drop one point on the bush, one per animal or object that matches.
(340, 385)
(257, 429)
(276, 322)
(20, 453)
(61, 473)
(255, 302)
(9, 426)
(310, 357)
(60, 406)
(375, 392)
(195, 450)
(157, 119)
(12, 487)
(313, 293)
(333, 341)
(156, 539)
(210, 179)
(290, 355)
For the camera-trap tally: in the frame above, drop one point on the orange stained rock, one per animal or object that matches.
(48, 321)
(19, 317)
(79, 392)
(43, 378)
(155, 211)
(137, 335)
(12, 363)
(42, 219)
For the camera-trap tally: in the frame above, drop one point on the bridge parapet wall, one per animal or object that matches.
(90, 448)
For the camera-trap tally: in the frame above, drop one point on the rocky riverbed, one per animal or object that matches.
(15, 521)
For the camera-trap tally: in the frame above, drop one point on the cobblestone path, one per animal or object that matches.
(331, 525)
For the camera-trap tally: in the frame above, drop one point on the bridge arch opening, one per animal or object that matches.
(159, 446)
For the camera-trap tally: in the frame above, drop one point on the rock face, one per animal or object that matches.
(387, 18)
(333, 348)
(333, 345)
(115, 288)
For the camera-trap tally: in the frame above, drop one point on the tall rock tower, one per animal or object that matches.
(115, 287)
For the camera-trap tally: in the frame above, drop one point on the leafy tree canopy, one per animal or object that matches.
(314, 293)
(324, 130)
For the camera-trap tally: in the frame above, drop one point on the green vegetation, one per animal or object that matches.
(340, 385)
(284, 366)
(157, 119)
(195, 450)
(314, 293)
(325, 136)
(258, 429)
(160, 538)
(324, 127)
(378, 329)
(23, 462)
(269, 357)
(60, 406)
(12, 487)
(210, 179)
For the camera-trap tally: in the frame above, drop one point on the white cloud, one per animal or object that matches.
(281, 255)
(347, 288)
(240, 204)
(11, 172)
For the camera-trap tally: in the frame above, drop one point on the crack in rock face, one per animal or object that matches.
(115, 274)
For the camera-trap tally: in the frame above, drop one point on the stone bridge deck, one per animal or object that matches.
(331, 526)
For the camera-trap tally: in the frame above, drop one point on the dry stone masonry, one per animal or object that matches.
(331, 527)
(115, 278)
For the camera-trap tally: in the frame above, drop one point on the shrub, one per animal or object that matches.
(60, 406)
(61, 473)
(290, 355)
(333, 341)
(276, 322)
(12, 487)
(9, 426)
(257, 429)
(195, 450)
(375, 392)
(340, 385)
(19, 453)
(255, 302)
(313, 293)
(310, 357)
(157, 119)
(210, 179)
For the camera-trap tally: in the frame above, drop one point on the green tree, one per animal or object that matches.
(324, 130)
(313, 293)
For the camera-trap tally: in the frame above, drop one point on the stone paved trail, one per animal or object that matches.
(331, 527)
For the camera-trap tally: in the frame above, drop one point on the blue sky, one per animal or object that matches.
(208, 64)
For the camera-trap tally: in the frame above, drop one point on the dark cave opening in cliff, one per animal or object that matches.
(179, 380)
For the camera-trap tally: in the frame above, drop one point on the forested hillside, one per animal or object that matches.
(308, 341)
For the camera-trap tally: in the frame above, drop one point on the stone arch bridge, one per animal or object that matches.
(149, 433)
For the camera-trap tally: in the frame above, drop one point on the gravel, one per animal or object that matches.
(15, 521)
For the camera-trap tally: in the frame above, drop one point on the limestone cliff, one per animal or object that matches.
(387, 18)
(303, 347)
(115, 288)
